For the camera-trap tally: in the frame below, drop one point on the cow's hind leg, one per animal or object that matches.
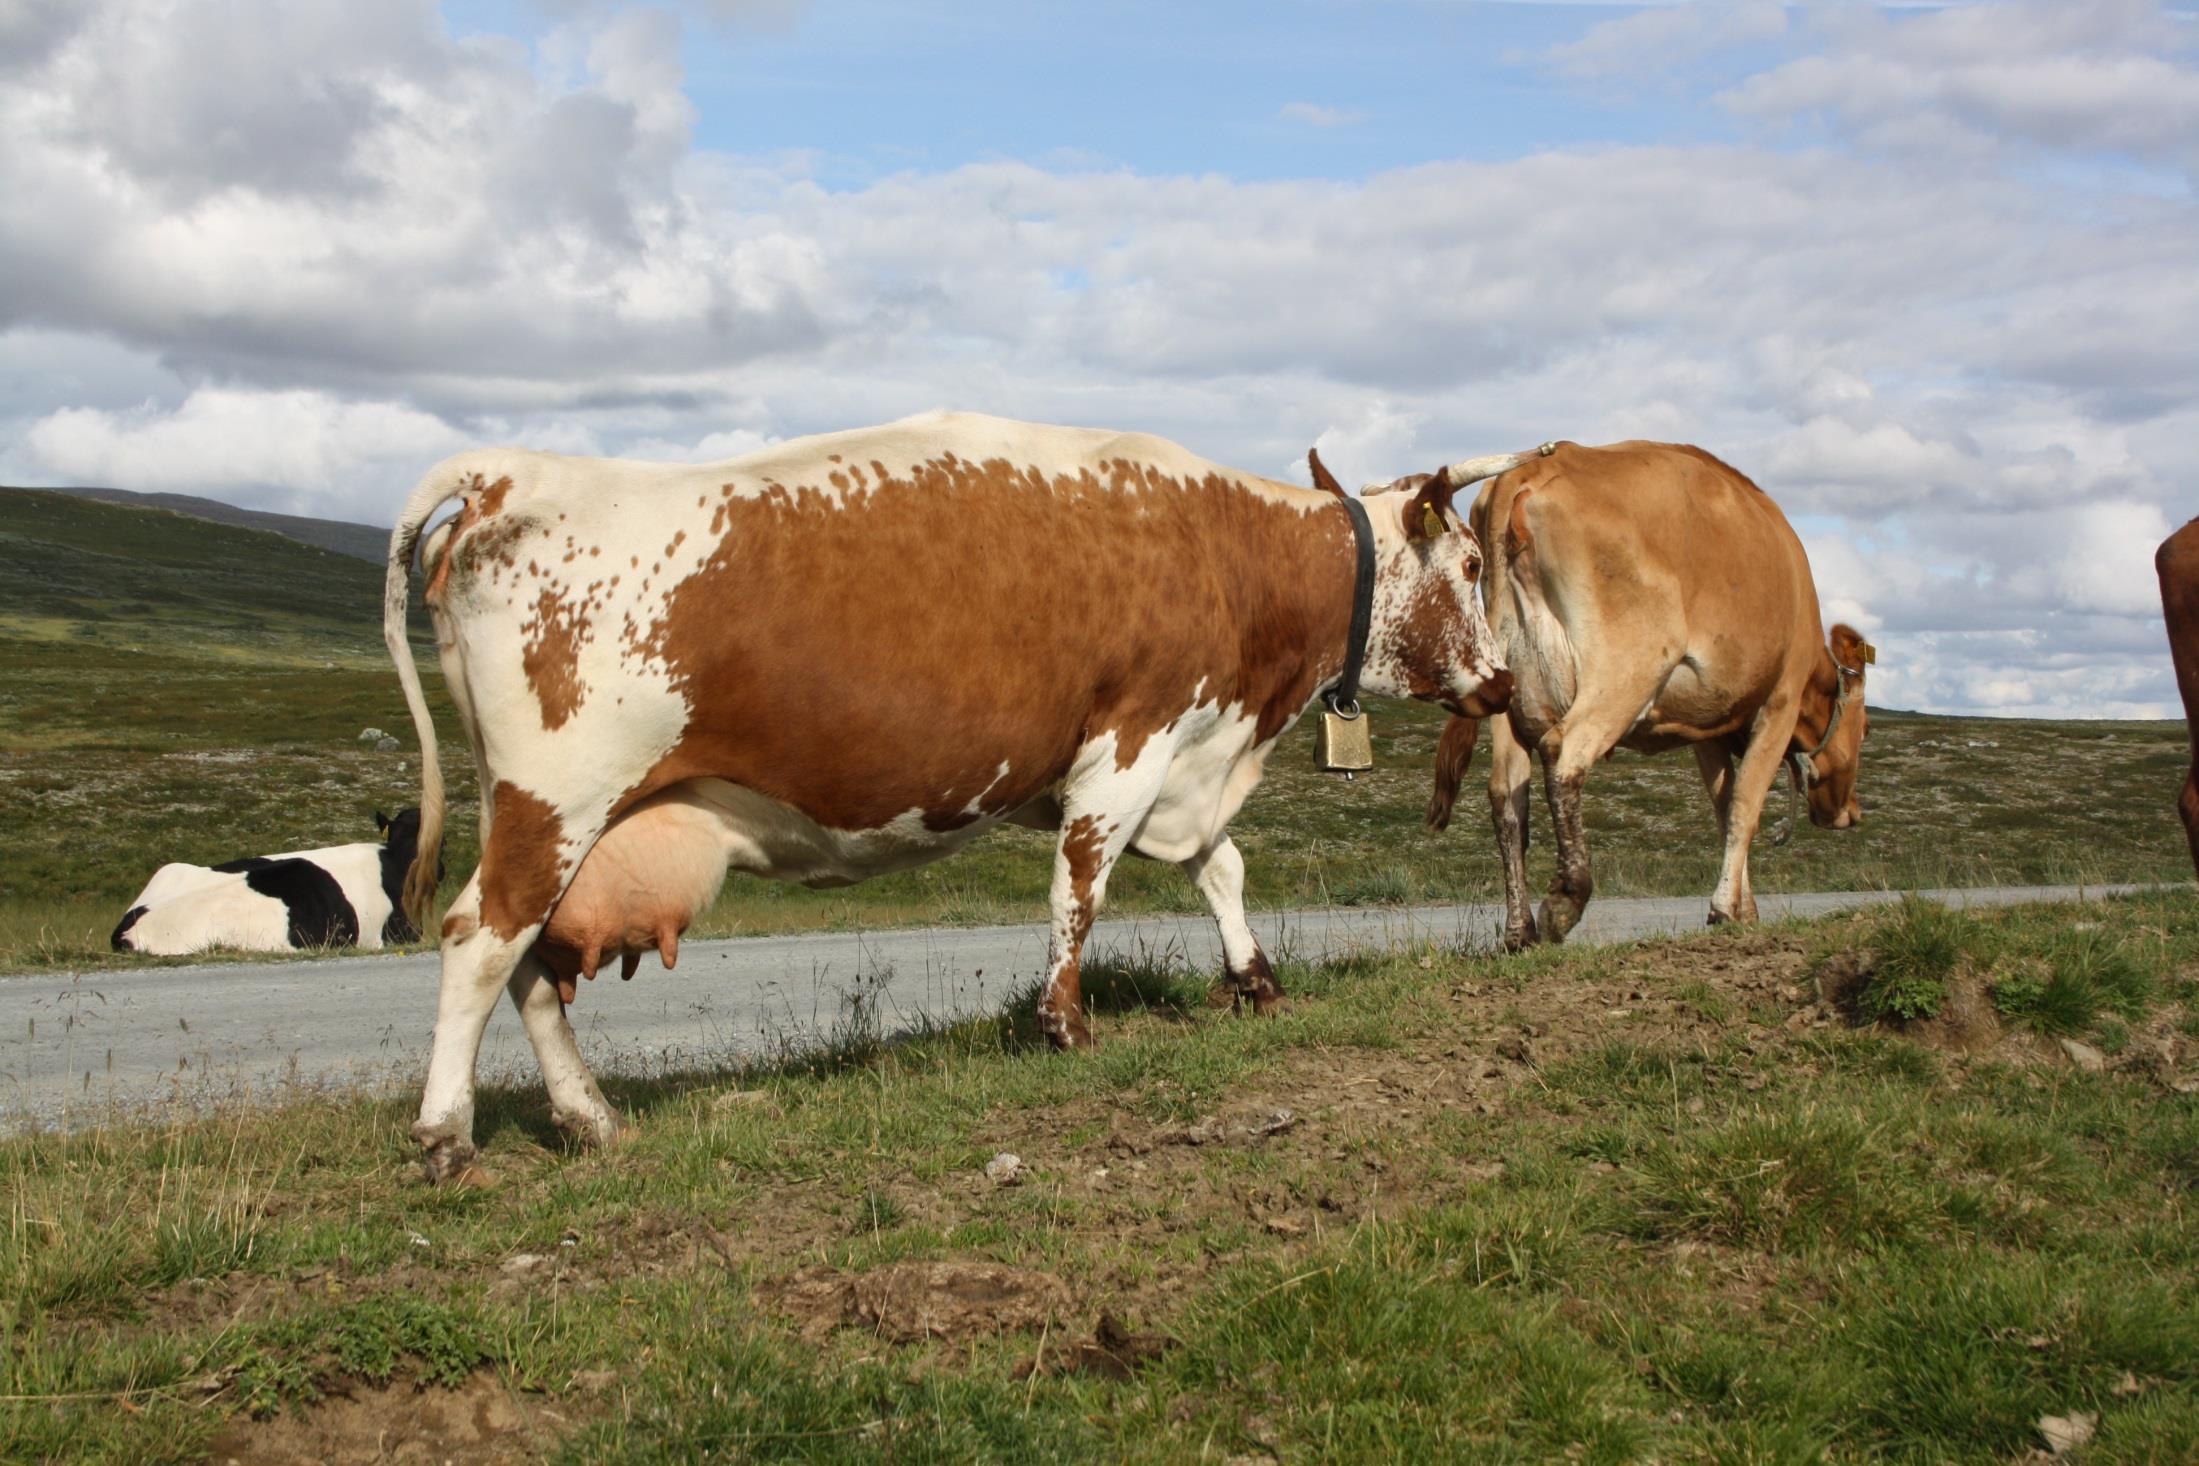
(576, 1104)
(1597, 720)
(1511, 768)
(476, 964)
(530, 855)
(1219, 873)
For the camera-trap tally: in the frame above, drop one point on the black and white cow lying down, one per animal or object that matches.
(343, 896)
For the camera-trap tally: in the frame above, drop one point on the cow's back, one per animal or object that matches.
(977, 596)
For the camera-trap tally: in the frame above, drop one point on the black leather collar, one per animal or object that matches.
(1343, 699)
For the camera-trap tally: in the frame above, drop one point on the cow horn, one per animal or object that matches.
(1489, 465)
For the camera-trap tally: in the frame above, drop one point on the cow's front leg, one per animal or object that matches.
(1091, 843)
(577, 1105)
(1219, 873)
(2187, 809)
(1511, 768)
(1760, 767)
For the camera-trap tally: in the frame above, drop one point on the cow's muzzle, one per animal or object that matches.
(1492, 697)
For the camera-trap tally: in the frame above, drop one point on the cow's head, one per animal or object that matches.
(401, 840)
(1428, 639)
(1828, 737)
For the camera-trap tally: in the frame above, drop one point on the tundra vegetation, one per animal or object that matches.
(1681, 1200)
(174, 689)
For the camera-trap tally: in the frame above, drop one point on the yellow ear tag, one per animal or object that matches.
(1870, 655)
(1434, 524)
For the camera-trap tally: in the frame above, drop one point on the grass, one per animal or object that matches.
(1633, 1204)
(172, 689)
(1916, 947)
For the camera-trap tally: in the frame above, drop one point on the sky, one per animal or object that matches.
(1928, 274)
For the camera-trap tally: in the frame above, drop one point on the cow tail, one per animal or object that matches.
(437, 489)
(1454, 755)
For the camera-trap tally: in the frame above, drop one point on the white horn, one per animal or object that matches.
(1474, 470)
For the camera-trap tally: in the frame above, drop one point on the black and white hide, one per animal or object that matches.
(341, 896)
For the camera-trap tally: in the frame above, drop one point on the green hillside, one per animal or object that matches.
(79, 571)
(174, 689)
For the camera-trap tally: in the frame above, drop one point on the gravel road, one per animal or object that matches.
(76, 1049)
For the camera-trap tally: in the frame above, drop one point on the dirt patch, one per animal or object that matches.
(1967, 1022)
(911, 1301)
(1113, 1352)
(480, 1421)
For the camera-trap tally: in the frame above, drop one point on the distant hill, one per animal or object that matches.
(75, 568)
(362, 541)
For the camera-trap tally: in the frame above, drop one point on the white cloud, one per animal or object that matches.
(1659, 39)
(296, 445)
(2110, 75)
(1317, 115)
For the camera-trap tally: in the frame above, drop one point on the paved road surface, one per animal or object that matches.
(74, 1048)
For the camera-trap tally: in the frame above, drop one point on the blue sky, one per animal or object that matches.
(1924, 272)
(877, 88)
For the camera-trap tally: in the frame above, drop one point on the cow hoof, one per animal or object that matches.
(1270, 1004)
(599, 1130)
(1067, 1033)
(1520, 938)
(446, 1158)
(1746, 916)
(1225, 995)
(1556, 919)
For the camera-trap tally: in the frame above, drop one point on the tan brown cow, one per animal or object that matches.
(2177, 561)
(853, 654)
(1647, 596)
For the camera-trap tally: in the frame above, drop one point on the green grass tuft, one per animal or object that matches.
(1916, 950)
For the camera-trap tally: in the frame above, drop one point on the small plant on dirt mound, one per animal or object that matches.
(2045, 1001)
(1914, 951)
(2082, 971)
(2123, 982)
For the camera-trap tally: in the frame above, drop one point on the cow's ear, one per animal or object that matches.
(1849, 649)
(1322, 478)
(1429, 513)
(381, 820)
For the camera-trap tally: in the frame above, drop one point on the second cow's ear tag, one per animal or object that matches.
(1433, 523)
(1343, 744)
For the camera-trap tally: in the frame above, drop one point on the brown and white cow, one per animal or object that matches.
(2177, 561)
(1646, 595)
(852, 654)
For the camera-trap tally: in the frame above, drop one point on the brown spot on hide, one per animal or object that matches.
(474, 505)
(521, 870)
(550, 655)
(975, 614)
